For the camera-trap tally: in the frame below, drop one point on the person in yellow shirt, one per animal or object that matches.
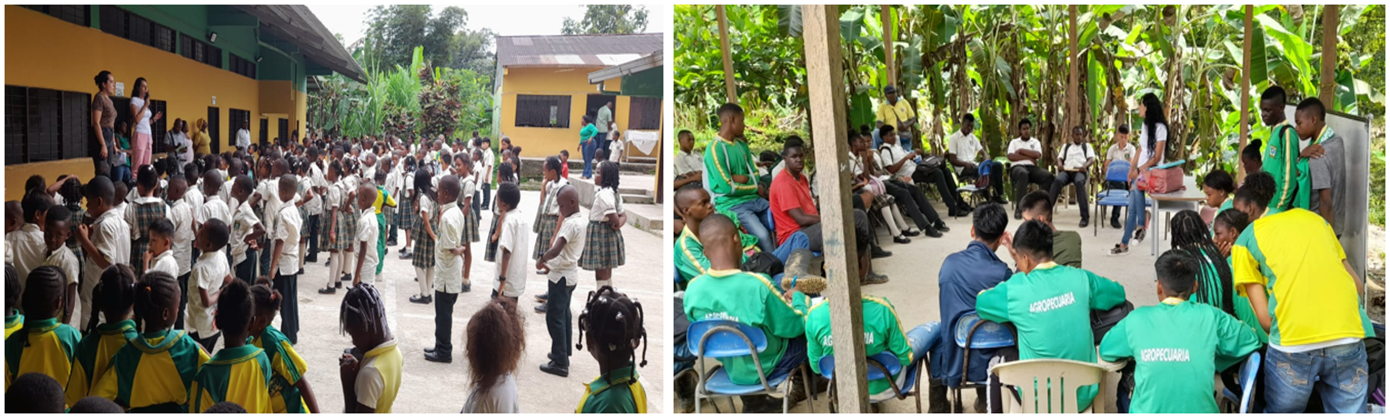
(153, 372)
(202, 143)
(898, 114)
(239, 373)
(13, 320)
(289, 391)
(43, 345)
(371, 368)
(116, 300)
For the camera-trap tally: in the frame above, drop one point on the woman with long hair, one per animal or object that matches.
(140, 111)
(1153, 144)
(104, 117)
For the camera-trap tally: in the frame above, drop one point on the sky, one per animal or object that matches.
(350, 19)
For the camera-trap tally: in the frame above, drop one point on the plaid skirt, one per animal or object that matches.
(422, 251)
(490, 253)
(603, 248)
(346, 231)
(324, 232)
(406, 216)
(388, 216)
(470, 227)
(548, 224)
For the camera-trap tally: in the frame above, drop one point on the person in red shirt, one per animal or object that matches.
(793, 209)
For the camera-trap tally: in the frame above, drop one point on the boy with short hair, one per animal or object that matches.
(1283, 162)
(1066, 245)
(562, 261)
(246, 231)
(209, 275)
(284, 262)
(448, 262)
(1326, 161)
(28, 241)
(367, 233)
(59, 256)
(183, 216)
(515, 239)
(159, 257)
(1177, 345)
(1049, 303)
(690, 167)
(105, 243)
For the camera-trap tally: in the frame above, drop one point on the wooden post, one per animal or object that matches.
(1245, 87)
(886, 12)
(1072, 69)
(724, 49)
(1327, 88)
(825, 76)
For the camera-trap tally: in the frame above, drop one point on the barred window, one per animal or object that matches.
(242, 66)
(77, 15)
(45, 125)
(644, 113)
(543, 111)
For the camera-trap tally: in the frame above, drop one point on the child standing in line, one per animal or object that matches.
(55, 236)
(426, 214)
(289, 391)
(209, 275)
(246, 230)
(365, 239)
(13, 320)
(25, 246)
(393, 189)
(159, 256)
(614, 324)
(285, 246)
(181, 214)
(153, 372)
(143, 212)
(43, 345)
(470, 220)
(547, 213)
(342, 227)
(239, 373)
(406, 217)
(447, 261)
(371, 368)
(478, 176)
(511, 240)
(106, 242)
(496, 340)
(562, 262)
(384, 204)
(603, 248)
(92, 357)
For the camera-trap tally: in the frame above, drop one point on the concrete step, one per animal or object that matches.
(637, 199)
(533, 167)
(634, 189)
(647, 217)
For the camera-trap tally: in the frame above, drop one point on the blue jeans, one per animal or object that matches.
(797, 240)
(795, 356)
(121, 174)
(1338, 374)
(922, 338)
(588, 148)
(1135, 219)
(905, 141)
(751, 214)
(602, 139)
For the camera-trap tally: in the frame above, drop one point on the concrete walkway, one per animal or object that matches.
(429, 387)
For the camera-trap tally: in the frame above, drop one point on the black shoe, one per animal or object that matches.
(301, 272)
(1085, 222)
(438, 357)
(965, 208)
(902, 240)
(390, 243)
(467, 287)
(932, 232)
(912, 233)
(879, 253)
(1018, 214)
(941, 226)
(875, 279)
(953, 213)
(429, 350)
(761, 404)
(406, 255)
(540, 309)
(405, 249)
(1115, 224)
(980, 398)
(328, 263)
(551, 368)
(540, 298)
(936, 398)
(328, 291)
(422, 299)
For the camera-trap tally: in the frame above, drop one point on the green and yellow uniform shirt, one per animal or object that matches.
(622, 394)
(1297, 258)
(44, 346)
(723, 160)
(1291, 178)
(1051, 308)
(690, 253)
(153, 373)
(287, 368)
(94, 356)
(882, 332)
(382, 198)
(13, 323)
(1177, 346)
(239, 375)
(1212, 293)
(379, 377)
(747, 298)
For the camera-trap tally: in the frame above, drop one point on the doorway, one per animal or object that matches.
(596, 101)
(265, 132)
(215, 128)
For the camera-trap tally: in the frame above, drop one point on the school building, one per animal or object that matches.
(543, 87)
(229, 65)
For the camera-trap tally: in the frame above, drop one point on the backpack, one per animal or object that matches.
(1085, 152)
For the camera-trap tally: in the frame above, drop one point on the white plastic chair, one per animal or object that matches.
(1045, 383)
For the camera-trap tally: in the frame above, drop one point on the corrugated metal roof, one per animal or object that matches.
(574, 50)
(297, 25)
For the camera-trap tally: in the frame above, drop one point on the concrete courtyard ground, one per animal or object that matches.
(429, 387)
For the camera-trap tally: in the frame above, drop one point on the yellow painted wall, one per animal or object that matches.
(569, 81)
(16, 175)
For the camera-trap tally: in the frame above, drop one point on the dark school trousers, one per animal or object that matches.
(444, 323)
(246, 270)
(559, 322)
(311, 227)
(206, 342)
(288, 286)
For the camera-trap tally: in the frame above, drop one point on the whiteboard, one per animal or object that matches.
(1356, 137)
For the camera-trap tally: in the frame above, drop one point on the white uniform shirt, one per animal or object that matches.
(689, 162)
(574, 229)
(29, 250)
(213, 209)
(448, 267)
(366, 232)
(891, 154)
(1021, 144)
(315, 204)
(288, 229)
(111, 236)
(208, 274)
(65, 261)
(965, 147)
(270, 202)
(243, 138)
(605, 203)
(1073, 156)
(164, 262)
(244, 224)
(516, 236)
(182, 217)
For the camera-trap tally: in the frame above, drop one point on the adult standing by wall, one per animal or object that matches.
(603, 122)
(588, 142)
(104, 117)
(142, 141)
(202, 143)
(243, 137)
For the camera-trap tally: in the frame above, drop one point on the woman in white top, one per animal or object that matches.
(140, 109)
(1153, 143)
(184, 144)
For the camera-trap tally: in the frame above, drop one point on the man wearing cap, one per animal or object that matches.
(898, 114)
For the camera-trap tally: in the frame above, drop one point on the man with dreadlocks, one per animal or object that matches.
(614, 324)
(371, 368)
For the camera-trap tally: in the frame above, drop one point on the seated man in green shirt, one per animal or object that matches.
(883, 331)
(1049, 304)
(1177, 345)
(1066, 245)
(693, 205)
(725, 292)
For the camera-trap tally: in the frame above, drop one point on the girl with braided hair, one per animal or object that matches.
(371, 369)
(239, 373)
(289, 391)
(614, 324)
(43, 344)
(1214, 280)
(116, 299)
(153, 372)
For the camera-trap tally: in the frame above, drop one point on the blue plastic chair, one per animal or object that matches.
(1248, 371)
(880, 366)
(1107, 197)
(727, 339)
(972, 332)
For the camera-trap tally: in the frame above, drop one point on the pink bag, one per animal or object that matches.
(1160, 181)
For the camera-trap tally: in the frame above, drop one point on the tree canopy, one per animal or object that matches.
(394, 31)
(612, 19)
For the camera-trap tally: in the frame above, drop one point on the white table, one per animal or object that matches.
(1189, 198)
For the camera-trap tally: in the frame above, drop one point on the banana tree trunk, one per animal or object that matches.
(1327, 87)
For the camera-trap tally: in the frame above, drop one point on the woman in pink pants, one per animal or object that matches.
(140, 110)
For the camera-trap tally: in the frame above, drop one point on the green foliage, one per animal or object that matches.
(394, 31)
(613, 19)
